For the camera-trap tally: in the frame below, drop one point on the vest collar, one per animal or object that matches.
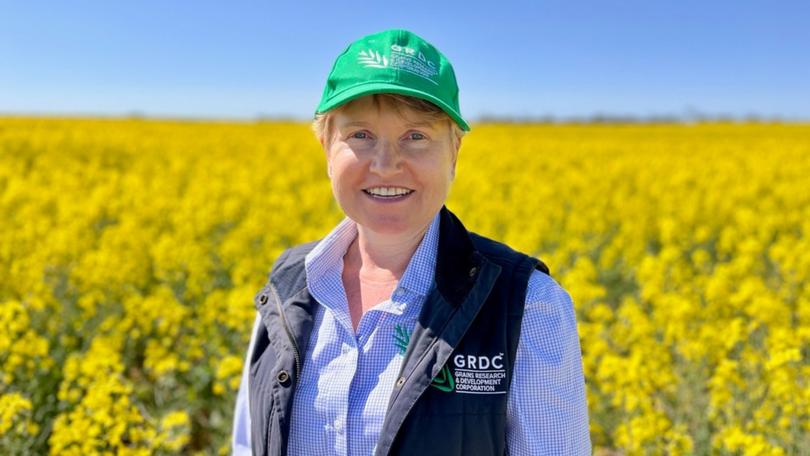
(457, 261)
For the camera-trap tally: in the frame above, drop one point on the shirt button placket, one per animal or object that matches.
(349, 358)
(341, 440)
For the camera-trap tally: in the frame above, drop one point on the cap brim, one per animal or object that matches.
(387, 87)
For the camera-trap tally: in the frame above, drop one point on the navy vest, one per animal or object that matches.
(464, 342)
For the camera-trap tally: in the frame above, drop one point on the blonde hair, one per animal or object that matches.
(322, 126)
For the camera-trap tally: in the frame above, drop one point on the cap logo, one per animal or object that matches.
(372, 59)
(403, 58)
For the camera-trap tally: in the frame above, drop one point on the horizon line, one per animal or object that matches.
(596, 117)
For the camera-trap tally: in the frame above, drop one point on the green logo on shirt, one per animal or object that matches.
(401, 338)
(444, 380)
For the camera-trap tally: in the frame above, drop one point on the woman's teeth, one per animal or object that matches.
(387, 192)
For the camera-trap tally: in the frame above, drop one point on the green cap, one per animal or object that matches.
(393, 61)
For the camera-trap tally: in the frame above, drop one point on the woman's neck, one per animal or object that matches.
(381, 258)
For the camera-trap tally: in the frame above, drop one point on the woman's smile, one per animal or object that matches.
(388, 195)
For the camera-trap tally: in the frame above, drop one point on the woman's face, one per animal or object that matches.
(375, 155)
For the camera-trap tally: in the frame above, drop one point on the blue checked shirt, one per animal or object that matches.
(347, 377)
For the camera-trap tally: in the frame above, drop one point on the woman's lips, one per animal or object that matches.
(388, 199)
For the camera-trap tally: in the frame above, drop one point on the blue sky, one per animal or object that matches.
(241, 59)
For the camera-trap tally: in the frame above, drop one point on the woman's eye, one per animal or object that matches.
(417, 136)
(358, 135)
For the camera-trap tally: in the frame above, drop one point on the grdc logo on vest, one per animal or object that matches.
(470, 374)
(479, 374)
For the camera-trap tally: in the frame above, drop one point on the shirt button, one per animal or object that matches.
(399, 292)
(339, 425)
(473, 270)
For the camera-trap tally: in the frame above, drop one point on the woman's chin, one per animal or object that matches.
(387, 224)
(383, 222)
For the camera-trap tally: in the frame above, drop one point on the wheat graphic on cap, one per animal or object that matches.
(372, 59)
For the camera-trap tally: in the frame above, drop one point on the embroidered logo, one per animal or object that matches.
(372, 59)
(479, 374)
(402, 338)
(443, 381)
(402, 58)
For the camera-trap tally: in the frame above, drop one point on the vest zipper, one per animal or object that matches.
(296, 353)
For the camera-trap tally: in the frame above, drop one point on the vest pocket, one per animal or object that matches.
(272, 441)
(261, 410)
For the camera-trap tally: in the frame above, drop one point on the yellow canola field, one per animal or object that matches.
(130, 252)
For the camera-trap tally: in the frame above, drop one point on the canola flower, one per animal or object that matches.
(130, 251)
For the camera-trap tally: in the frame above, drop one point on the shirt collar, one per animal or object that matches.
(326, 258)
(418, 276)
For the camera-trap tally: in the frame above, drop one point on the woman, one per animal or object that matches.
(400, 332)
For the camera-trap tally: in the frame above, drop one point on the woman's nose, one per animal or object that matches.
(386, 159)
